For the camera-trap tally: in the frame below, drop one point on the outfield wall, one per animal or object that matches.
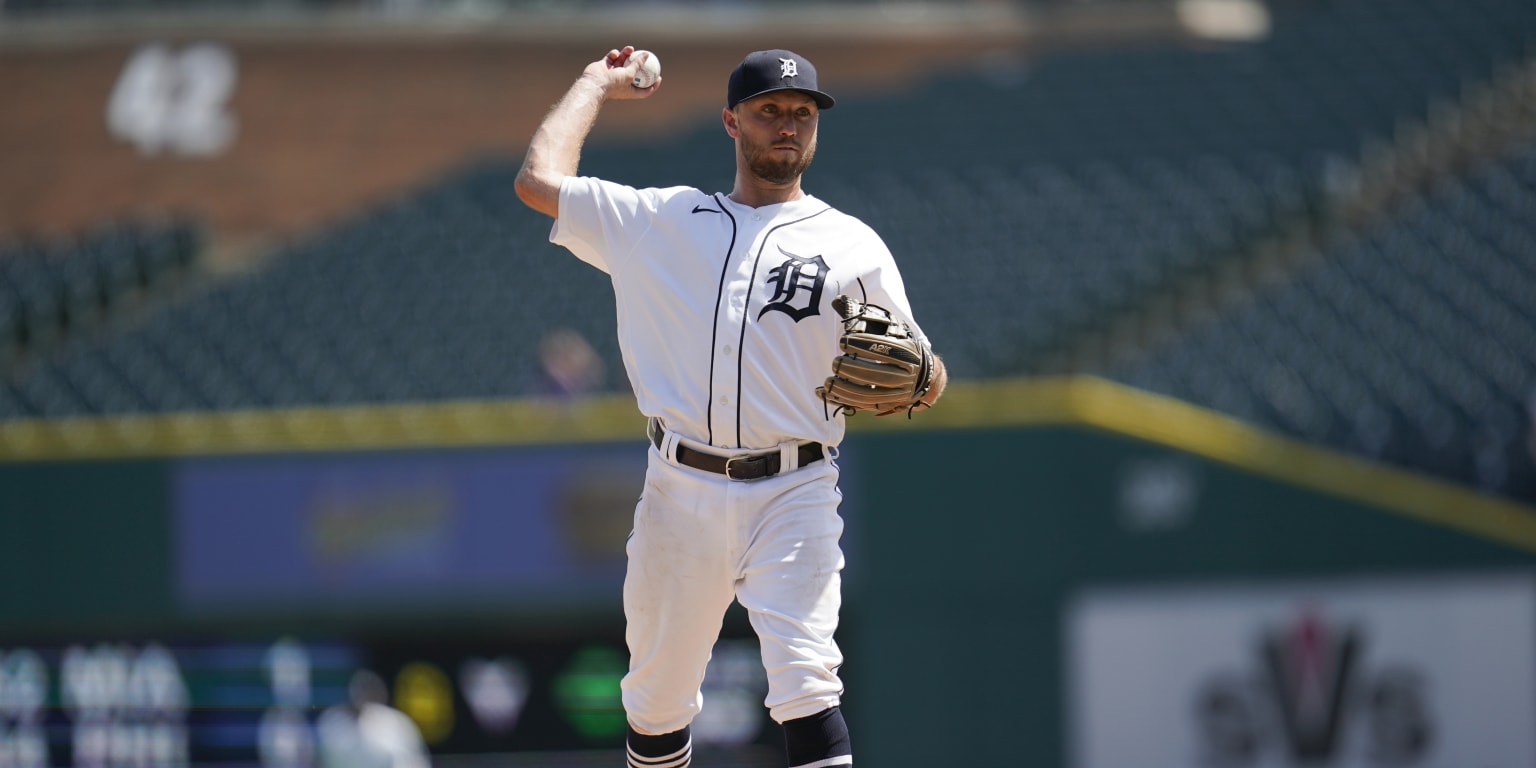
(1059, 572)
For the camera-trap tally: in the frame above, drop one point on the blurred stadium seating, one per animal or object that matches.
(53, 290)
(441, 295)
(1055, 194)
(1413, 342)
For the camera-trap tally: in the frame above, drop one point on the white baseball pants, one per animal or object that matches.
(701, 540)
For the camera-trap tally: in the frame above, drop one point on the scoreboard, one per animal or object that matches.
(255, 702)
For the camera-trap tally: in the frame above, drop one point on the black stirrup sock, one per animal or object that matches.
(819, 740)
(669, 750)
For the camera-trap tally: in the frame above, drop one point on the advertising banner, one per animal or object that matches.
(1391, 673)
(532, 525)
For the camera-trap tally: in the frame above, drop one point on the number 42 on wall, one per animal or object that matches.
(175, 101)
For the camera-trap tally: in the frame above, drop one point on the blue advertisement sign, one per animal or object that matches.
(540, 524)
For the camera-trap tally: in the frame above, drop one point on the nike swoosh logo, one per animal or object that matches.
(702, 209)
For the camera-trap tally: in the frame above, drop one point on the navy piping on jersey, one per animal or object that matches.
(746, 314)
(709, 411)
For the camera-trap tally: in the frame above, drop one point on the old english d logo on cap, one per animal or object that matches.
(774, 70)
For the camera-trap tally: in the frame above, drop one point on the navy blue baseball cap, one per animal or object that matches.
(776, 70)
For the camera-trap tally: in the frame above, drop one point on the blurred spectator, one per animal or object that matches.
(571, 368)
(366, 732)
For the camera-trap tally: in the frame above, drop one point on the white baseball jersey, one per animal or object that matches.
(724, 310)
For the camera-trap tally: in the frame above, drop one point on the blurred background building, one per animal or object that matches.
(1239, 297)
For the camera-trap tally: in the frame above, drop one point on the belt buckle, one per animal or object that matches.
(743, 457)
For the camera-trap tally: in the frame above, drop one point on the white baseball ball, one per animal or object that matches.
(650, 68)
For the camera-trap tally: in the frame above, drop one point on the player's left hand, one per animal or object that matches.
(883, 368)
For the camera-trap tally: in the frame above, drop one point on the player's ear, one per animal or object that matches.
(728, 116)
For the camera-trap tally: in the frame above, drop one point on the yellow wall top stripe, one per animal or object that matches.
(1079, 400)
(432, 425)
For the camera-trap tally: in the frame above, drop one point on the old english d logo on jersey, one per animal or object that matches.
(797, 286)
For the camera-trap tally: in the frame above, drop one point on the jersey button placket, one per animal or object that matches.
(738, 290)
(725, 373)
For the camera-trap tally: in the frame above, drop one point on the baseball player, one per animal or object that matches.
(751, 325)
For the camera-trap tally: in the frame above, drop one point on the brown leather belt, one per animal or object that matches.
(742, 466)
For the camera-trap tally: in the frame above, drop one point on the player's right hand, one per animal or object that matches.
(616, 72)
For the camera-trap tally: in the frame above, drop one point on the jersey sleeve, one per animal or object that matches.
(600, 221)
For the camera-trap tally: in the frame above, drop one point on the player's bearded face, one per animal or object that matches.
(769, 162)
(777, 138)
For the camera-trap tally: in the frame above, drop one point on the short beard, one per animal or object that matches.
(763, 163)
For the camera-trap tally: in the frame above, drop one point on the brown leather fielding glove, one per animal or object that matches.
(883, 368)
